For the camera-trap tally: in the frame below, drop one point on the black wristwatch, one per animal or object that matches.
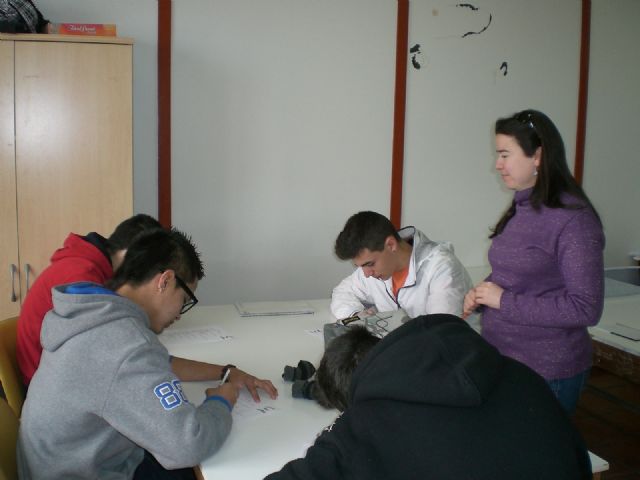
(225, 368)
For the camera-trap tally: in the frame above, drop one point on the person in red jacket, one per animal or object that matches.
(91, 258)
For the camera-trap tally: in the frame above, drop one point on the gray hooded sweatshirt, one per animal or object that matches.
(104, 392)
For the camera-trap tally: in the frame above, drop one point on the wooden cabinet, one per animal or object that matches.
(65, 148)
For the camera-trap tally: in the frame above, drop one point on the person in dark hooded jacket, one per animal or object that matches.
(433, 400)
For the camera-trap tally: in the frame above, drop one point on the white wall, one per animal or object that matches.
(612, 162)
(138, 20)
(282, 122)
(451, 190)
(282, 127)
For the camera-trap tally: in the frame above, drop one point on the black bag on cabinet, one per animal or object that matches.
(21, 16)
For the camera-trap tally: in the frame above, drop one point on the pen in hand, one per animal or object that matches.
(225, 377)
(230, 394)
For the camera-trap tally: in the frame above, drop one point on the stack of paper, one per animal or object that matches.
(254, 309)
(626, 332)
(193, 335)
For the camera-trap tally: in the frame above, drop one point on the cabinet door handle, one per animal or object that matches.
(27, 269)
(13, 270)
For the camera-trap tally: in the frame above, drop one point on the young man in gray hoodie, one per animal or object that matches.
(104, 402)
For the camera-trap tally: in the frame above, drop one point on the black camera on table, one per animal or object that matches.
(303, 386)
(304, 371)
(304, 389)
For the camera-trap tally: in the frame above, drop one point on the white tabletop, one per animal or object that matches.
(262, 346)
(262, 443)
(623, 310)
(598, 464)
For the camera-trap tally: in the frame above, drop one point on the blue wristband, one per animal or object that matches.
(220, 399)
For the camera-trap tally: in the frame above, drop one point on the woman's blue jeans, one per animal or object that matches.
(567, 390)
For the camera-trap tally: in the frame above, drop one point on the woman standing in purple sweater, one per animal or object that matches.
(546, 285)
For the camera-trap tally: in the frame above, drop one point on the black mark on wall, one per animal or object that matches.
(504, 68)
(415, 51)
(475, 9)
(467, 5)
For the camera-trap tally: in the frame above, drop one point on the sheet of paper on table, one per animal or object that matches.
(194, 335)
(246, 409)
(626, 332)
(254, 309)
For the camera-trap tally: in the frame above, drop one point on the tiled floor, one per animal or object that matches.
(608, 417)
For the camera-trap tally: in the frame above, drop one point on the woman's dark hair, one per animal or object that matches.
(338, 363)
(364, 230)
(533, 129)
(156, 251)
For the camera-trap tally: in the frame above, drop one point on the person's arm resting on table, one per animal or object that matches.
(349, 296)
(194, 371)
(146, 404)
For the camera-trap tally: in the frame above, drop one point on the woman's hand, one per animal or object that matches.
(489, 294)
(470, 303)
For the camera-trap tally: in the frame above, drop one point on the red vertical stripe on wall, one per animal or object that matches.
(164, 112)
(397, 168)
(397, 165)
(583, 90)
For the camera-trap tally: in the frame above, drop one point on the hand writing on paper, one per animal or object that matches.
(227, 391)
(242, 379)
(367, 312)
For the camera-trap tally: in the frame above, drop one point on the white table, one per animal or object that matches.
(598, 465)
(625, 310)
(261, 346)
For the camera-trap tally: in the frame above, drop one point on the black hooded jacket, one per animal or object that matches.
(433, 400)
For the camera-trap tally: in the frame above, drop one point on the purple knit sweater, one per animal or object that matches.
(550, 264)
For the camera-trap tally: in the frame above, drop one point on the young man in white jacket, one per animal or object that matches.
(396, 269)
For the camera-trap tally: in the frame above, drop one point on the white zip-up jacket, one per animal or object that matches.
(436, 283)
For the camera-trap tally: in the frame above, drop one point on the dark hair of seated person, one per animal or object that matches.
(155, 252)
(364, 230)
(128, 230)
(340, 359)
